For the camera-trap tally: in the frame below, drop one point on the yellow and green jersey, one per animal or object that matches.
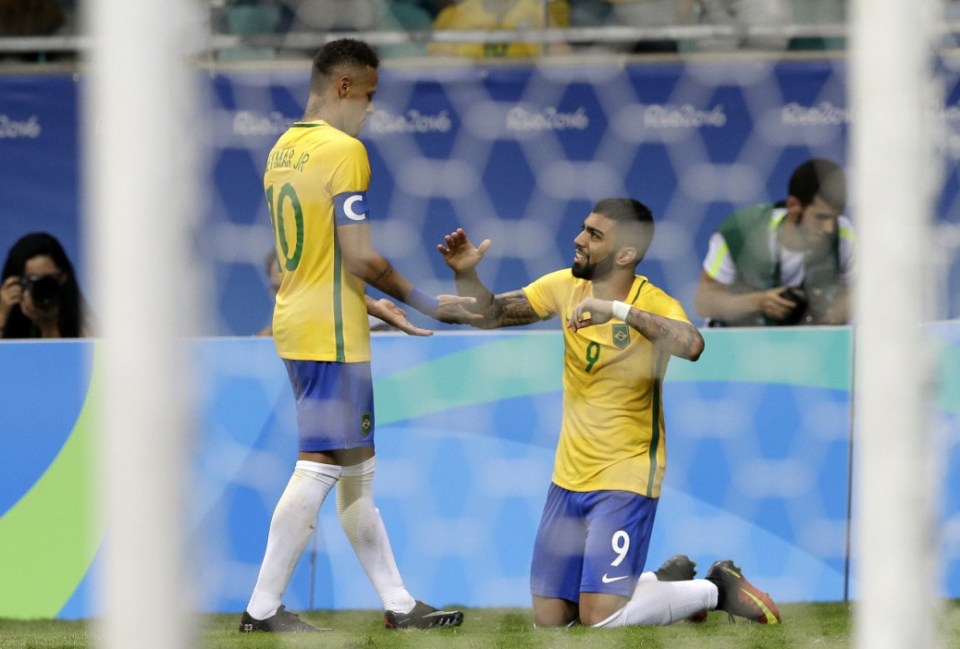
(316, 178)
(612, 435)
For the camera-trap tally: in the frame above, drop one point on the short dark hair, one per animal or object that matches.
(635, 219)
(819, 177)
(345, 51)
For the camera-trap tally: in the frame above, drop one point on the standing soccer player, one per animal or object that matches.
(620, 332)
(316, 181)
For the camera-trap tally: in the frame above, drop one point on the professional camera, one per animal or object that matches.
(799, 296)
(44, 289)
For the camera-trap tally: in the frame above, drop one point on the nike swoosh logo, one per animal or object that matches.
(610, 580)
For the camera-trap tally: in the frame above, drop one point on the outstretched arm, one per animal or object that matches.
(509, 309)
(362, 260)
(675, 337)
(503, 310)
(393, 315)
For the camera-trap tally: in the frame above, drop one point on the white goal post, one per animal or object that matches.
(139, 154)
(140, 158)
(894, 177)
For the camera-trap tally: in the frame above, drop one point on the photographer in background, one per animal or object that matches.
(785, 264)
(39, 295)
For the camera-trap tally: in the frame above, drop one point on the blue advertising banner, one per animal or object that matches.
(758, 434)
(520, 155)
(39, 159)
(514, 154)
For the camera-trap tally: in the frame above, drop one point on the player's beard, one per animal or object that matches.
(591, 271)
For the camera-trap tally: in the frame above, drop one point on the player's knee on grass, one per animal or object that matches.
(599, 607)
(552, 612)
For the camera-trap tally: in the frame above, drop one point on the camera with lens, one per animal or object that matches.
(799, 297)
(44, 289)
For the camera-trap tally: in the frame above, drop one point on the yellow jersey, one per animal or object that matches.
(612, 436)
(316, 178)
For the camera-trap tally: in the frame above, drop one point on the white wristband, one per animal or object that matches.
(620, 310)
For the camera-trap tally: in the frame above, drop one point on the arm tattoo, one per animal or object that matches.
(511, 309)
(672, 336)
(383, 274)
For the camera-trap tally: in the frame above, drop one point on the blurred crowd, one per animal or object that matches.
(739, 18)
(37, 17)
(751, 24)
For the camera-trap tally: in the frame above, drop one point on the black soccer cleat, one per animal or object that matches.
(283, 621)
(423, 616)
(679, 567)
(737, 596)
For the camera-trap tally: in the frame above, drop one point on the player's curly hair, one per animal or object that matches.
(343, 52)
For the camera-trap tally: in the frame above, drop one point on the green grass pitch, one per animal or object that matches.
(821, 625)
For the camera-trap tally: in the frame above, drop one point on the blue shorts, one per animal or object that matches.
(334, 404)
(591, 542)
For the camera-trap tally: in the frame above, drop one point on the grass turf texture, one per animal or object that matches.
(824, 626)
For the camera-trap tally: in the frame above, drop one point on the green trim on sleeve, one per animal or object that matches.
(721, 255)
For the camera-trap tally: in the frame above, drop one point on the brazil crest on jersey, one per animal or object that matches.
(316, 178)
(612, 435)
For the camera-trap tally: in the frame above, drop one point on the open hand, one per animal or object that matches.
(459, 253)
(452, 310)
(395, 316)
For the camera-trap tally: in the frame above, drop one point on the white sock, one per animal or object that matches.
(656, 603)
(363, 525)
(646, 576)
(294, 519)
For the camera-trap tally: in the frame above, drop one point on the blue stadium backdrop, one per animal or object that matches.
(760, 428)
(516, 154)
(758, 436)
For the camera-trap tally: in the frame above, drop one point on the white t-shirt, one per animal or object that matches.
(719, 265)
